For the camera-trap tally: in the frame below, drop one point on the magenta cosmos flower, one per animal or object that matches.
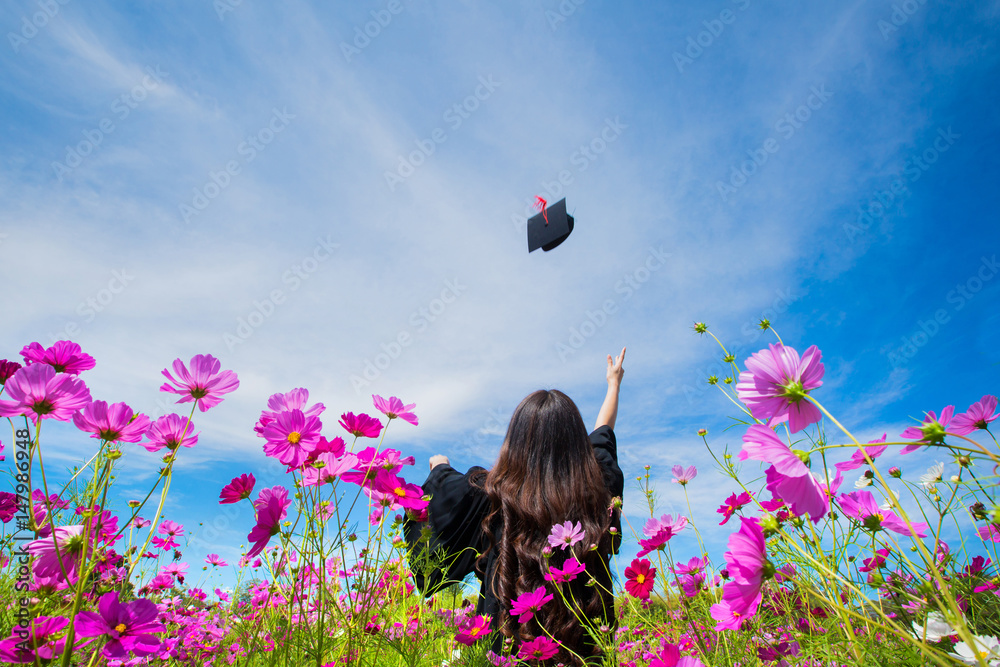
(932, 430)
(473, 630)
(748, 567)
(733, 504)
(979, 415)
(170, 431)
(659, 531)
(326, 467)
(539, 648)
(296, 399)
(114, 423)
(571, 569)
(71, 552)
(127, 628)
(42, 642)
(292, 436)
(361, 426)
(528, 603)
(858, 458)
(394, 408)
(7, 369)
(272, 507)
(64, 356)
(861, 506)
(565, 534)
(788, 478)
(204, 383)
(670, 656)
(39, 392)
(215, 560)
(683, 475)
(239, 488)
(776, 382)
(394, 492)
(639, 578)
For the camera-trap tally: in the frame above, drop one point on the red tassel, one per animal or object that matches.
(541, 205)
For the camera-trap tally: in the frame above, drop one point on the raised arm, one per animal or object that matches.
(609, 410)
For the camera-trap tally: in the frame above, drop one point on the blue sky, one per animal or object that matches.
(269, 184)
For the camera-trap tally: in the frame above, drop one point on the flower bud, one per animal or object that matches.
(955, 479)
(700, 327)
(546, 551)
(964, 461)
(895, 472)
(703, 432)
(712, 379)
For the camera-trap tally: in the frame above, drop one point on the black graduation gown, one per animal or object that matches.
(455, 516)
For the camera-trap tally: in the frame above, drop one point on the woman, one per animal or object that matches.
(498, 522)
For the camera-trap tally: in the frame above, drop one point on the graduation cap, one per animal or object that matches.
(550, 227)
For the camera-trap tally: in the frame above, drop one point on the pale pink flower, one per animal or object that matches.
(204, 383)
(775, 385)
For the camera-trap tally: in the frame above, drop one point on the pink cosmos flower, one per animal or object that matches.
(683, 475)
(361, 426)
(239, 488)
(7, 369)
(473, 630)
(875, 562)
(327, 467)
(170, 431)
(979, 415)
(861, 506)
(176, 570)
(8, 506)
(640, 577)
(526, 604)
(272, 507)
(539, 648)
(127, 628)
(990, 533)
(659, 531)
(369, 462)
(71, 551)
(732, 505)
(215, 561)
(39, 392)
(394, 407)
(204, 384)
(565, 534)
(788, 477)
(748, 567)
(41, 644)
(292, 436)
(64, 356)
(858, 459)
(296, 399)
(116, 423)
(670, 656)
(776, 382)
(931, 431)
(395, 492)
(570, 570)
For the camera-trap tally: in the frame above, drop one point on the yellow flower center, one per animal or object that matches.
(640, 578)
(120, 628)
(294, 437)
(400, 491)
(475, 631)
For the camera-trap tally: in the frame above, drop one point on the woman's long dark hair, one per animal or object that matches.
(547, 474)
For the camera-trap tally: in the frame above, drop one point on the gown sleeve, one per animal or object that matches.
(606, 450)
(444, 549)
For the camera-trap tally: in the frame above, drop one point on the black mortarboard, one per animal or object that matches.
(550, 227)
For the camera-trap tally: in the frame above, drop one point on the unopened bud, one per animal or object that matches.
(703, 432)
(895, 472)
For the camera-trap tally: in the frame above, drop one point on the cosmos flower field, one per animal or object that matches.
(817, 571)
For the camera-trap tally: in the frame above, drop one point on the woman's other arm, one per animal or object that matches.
(609, 410)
